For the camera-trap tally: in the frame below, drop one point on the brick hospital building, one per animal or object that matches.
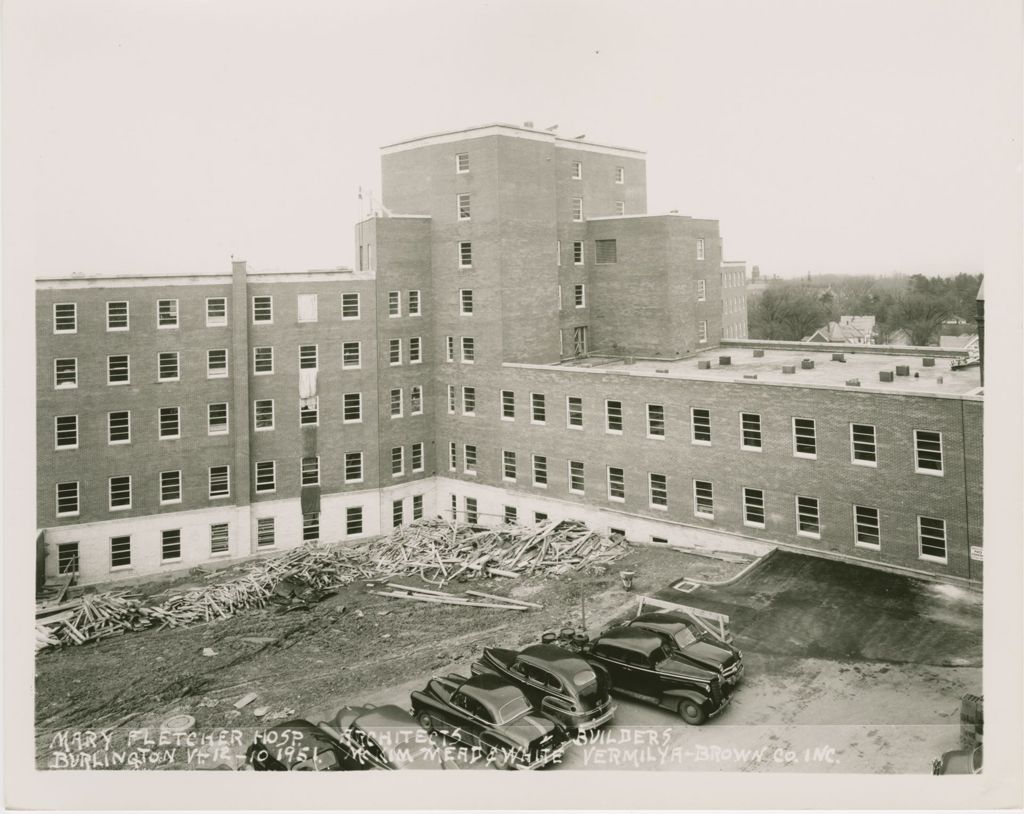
(519, 340)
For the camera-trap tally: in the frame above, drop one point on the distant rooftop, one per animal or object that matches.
(860, 364)
(514, 131)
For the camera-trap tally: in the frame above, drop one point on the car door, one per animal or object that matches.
(612, 659)
(646, 679)
(466, 719)
(525, 678)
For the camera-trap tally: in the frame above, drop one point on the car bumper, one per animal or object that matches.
(546, 757)
(721, 707)
(594, 723)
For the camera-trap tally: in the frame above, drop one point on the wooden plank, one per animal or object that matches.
(417, 590)
(505, 599)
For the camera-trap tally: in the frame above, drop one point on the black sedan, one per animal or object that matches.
(561, 685)
(385, 737)
(493, 717)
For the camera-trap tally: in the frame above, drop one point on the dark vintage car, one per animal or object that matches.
(300, 746)
(959, 761)
(560, 684)
(492, 715)
(642, 666)
(385, 737)
(691, 642)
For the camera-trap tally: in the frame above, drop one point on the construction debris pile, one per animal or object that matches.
(435, 550)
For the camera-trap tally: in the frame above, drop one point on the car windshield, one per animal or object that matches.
(584, 680)
(512, 709)
(687, 635)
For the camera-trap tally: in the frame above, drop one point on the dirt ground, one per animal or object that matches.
(347, 646)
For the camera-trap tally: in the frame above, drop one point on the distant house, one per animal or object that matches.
(850, 330)
(968, 342)
(899, 338)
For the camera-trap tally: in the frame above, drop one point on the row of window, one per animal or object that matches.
(576, 169)
(415, 304)
(467, 346)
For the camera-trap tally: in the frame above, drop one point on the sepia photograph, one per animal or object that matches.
(538, 389)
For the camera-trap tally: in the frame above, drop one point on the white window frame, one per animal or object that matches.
(462, 254)
(578, 244)
(213, 373)
(392, 403)
(345, 471)
(576, 171)
(127, 316)
(877, 528)
(764, 507)
(270, 299)
(181, 487)
(400, 472)
(74, 306)
(344, 408)
(661, 507)
(469, 468)
(110, 494)
(160, 424)
(700, 442)
(509, 455)
(227, 481)
(620, 175)
(302, 470)
(577, 210)
(702, 291)
(534, 461)
(263, 524)
(393, 345)
(256, 477)
(394, 304)
(453, 399)
(472, 346)
(177, 315)
(255, 415)
(127, 440)
(814, 535)
(65, 386)
(256, 372)
(215, 323)
(220, 540)
(543, 404)
(78, 499)
(304, 416)
(608, 417)
(620, 207)
(920, 540)
(449, 350)
(702, 332)
(459, 170)
(608, 484)
(56, 433)
(110, 548)
(663, 420)
(812, 456)
(416, 398)
(416, 453)
(227, 419)
(415, 304)
(128, 367)
(358, 302)
(940, 472)
(304, 356)
(464, 300)
(177, 366)
(354, 515)
(696, 500)
(468, 394)
(569, 413)
(701, 255)
(874, 445)
(760, 433)
(459, 206)
(509, 402)
(579, 295)
(583, 476)
(345, 363)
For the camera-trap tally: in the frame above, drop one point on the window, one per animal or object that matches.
(170, 422)
(65, 373)
(577, 252)
(867, 527)
(700, 425)
(350, 306)
(417, 456)
(120, 552)
(217, 418)
(576, 479)
(511, 515)
(540, 517)
(119, 489)
(862, 445)
(539, 414)
(414, 303)
(702, 331)
(67, 558)
(655, 421)
(216, 311)
(805, 444)
(462, 162)
(217, 363)
(65, 318)
(607, 252)
(167, 313)
(397, 461)
(309, 411)
(577, 170)
(263, 414)
(170, 486)
(613, 417)
(466, 301)
(395, 352)
(465, 254)
(928, 449)
(808, 522)
(616, 484)
(118, 370)
(469, 459)
(416, 400)
(753, 507)
(397, 513)
(119, 427)
(508, 405)
(471, 511)
(449, 351)
(417, 507)
(65, 432)
(453, 456)
(540, 471)
(700, 248)
(394, 304)
(310, 527)
(309, 469)
(352, 408)
(452, 399)
(170, 545)
(219, 481)
(262, 361)
(620, 207)
(353, 467)
(577, 209)
(703, 499)
(750, 427)
(308, 358)
(579, 294)
(469, 401)
(117, 316)
(620, 175)
(468, 350)
(396, 402)
(658, 488)
(574, 412)
(67, 499)
(353, 520)
(306, 305)
(931, 534)
(350, 355)
(263, 309)
(266, 476)
(167, 366)
(702, 291)
(264, 532)
(219, 540)
(509, 469)
(463, 206)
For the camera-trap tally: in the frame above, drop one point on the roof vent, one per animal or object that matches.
(789, 368)
(807, 364)
(725, 360)
(703, 364)
(661, 370)
(902, 370)
(853, 382)
(749, 375)
(758, 353)
(885, 375)
(838, 357)
(528, 124)
(928, 361)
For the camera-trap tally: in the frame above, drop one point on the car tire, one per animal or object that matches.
(692, 713)
(502, 760)
(427, 722)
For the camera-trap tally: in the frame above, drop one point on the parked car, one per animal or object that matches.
(691, 642)
(642, 666)
(959, 761)
(300, 746)
(385, 737)
(491, 714)
(558, 683)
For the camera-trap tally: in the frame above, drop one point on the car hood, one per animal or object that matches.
(708, 654)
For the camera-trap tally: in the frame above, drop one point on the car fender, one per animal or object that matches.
(671, 698)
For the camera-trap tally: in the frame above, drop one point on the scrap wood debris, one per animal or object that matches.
(435, 550)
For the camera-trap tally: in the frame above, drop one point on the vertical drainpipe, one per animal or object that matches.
(241, 467)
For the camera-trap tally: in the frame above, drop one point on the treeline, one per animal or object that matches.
(918, 305)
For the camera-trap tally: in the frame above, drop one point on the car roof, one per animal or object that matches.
(557, 659)
(385, 717)
(631, 638)
(490, 690)
(666, 618)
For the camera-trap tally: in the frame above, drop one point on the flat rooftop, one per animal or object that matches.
(863, 365)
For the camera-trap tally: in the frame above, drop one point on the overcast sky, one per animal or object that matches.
(164, 137)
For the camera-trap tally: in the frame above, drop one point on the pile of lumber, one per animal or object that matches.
(439, 551)
(94, 616)
(472, 599)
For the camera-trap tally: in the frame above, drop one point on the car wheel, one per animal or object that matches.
(426, 722)
(692, 713)
(502, 758)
